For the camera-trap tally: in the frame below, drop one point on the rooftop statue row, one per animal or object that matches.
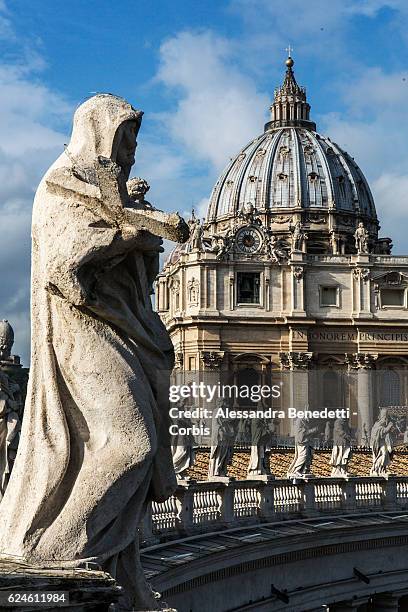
(224, 438)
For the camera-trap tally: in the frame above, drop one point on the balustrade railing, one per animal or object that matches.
(210, 506)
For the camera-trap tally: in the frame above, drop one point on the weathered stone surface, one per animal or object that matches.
(381, 444)
(95, 444)
(89, 590)
(10, 424)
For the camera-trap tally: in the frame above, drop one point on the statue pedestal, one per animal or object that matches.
(261, 477)
(73, 590)
(185, 481)
(225, 479)
(297, 478)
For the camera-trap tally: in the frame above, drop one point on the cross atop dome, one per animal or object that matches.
(290, 107)
(289, 62)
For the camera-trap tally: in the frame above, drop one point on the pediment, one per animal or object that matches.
(391, 279)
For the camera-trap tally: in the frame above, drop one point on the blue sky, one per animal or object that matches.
(204, 73)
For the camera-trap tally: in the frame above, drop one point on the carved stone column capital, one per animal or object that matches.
(356, 361)
(292, 360)
(212, 359)
(363, 273)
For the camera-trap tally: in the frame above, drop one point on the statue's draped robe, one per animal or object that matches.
(94, 443)
(260, 437)
(302, 460)
(221, 447)
(182, 448)
(341, 449)
(381, 445)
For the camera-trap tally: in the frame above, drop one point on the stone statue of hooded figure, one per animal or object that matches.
(95, 445)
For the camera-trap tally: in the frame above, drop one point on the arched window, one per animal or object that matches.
(390, 388)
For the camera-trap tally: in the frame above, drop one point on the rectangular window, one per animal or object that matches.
(392, 297)
(248, 287)
(329, 296)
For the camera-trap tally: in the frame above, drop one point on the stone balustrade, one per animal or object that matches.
(200, 507)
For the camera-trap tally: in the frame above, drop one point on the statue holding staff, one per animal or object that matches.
(95, 444)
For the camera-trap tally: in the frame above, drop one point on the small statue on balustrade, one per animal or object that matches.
(365, 438)
(361, 238)
(223, 436)
(381, 444)
(261, 434)
(341, 452)
(328, 434)
(182, 445)
(196, 240)
(299, 237)
(302, 461)
(10, 425)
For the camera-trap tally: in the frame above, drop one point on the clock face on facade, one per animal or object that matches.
(248, 240)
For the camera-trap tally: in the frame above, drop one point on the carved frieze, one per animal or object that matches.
(293, 360)
(282, 219)
(355, 361)
(363, 273)
(212, 359)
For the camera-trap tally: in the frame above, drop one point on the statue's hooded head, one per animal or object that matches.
(105, 126)
(383, 416)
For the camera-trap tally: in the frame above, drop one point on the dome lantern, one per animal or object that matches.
(290, 107)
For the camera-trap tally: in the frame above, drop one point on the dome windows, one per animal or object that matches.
(284, 152)
(290, 168)
(308, 150)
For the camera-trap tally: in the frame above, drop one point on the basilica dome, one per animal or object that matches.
(292, 172)
(288, 168)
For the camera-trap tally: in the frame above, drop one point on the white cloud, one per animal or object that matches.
(376, 92)
(201, 207)
(370, 130)
(391, 194)
(28, 144)
(219, 109)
